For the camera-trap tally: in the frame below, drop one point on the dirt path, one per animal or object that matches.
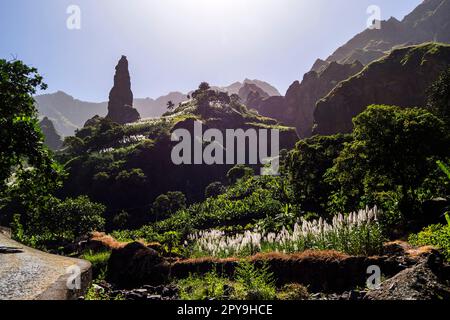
(29, 274)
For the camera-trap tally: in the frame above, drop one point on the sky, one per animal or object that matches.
(173, 45)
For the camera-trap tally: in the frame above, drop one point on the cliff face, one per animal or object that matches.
(120, 106)
(401, 78)
(297, 107)
(52, 139)
(428, 22)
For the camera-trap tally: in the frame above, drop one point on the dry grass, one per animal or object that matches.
(325, 256)
(106, 240)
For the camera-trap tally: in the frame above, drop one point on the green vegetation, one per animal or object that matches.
(249, 283)
(120, 179)
(99, 261)
(435, 235)
(357, 234)
(209, 286)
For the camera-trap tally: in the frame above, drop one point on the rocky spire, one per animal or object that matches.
(120, 106)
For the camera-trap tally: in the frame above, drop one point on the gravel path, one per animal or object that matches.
(28, 274)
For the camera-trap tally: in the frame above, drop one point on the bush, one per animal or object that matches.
(254, 283)
(72, 218)
(99, 261)
(214, 189)
(239, 172)
(435, 235)
(209, 286)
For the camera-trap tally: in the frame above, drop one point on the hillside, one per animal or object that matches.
(52, 138)
(119, 164)
(69, 114)
(402, 78)
(428, 22)
(297, 107)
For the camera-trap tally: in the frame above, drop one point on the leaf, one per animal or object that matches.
(444, 168)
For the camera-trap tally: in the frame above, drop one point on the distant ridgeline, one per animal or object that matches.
(428, 22)
(52, 139)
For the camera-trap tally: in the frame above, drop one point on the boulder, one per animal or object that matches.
(427, 280)
(135, 265)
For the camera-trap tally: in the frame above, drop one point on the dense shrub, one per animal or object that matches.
(435, 235)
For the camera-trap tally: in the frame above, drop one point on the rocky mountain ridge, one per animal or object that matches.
(402, 78)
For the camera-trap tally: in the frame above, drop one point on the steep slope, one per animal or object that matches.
(428, 22)
(128, 166)
(236, 86)
(297, 107)
(401, 79)
(52, 138)
(67, 113)
(251, 95)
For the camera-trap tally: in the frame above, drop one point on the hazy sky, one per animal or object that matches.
(173, 45)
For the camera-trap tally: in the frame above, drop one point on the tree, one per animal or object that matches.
(204, 86)
(203, 95)
(121, 219)
(439, 97)
(73, 218)
(28, 173)
(167, 204)
(20, 137)
(307, 165)
(238, 172)
(214, 189)
(170, 105)
(390, 151)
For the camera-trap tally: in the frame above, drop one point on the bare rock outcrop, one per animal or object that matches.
(136, 264)
(427, 22)
(120, 106)
(426, 280)
(297, 107)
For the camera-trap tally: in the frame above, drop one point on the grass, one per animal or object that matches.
(357, 234)
(249, 283)
(99, 261)
(435, 235)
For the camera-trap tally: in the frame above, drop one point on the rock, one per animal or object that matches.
(427, 280)
(135, 296)
(135, 265)
(427, 22)
(120, 106)
(297, 107)
(413, 69)
(52, 139)
(251, 94)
